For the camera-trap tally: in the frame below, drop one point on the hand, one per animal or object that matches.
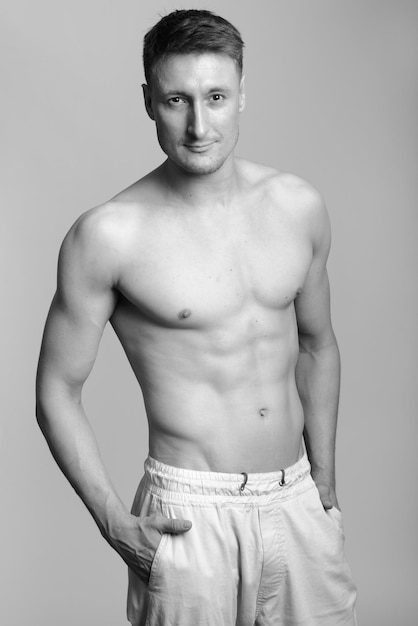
(328, 496)
(136, 540)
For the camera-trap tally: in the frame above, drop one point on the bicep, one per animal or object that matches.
(313, 308)
(82, 305)
(313, 305)
(71, 340)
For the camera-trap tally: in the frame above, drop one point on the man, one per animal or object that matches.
(212, 272)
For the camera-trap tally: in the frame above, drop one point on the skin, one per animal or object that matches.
(212, 272)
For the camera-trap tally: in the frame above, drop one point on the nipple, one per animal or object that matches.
(184, 314)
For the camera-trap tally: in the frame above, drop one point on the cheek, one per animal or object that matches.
(166, 132)
(230, 119)
(168, 124)
(229, 127)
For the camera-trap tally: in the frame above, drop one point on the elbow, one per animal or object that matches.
(52, 398)
(43, 409)
(38, 411)
(41, 401)
(316, 343)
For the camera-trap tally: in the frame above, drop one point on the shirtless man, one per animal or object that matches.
(212, 272)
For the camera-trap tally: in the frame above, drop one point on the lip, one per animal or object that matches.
(198, 147)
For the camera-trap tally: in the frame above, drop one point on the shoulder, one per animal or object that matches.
(307, 207)
(85, 253)
(298, 199)
(283, 186)
(106, 237)
(289, 195)
(304, 202)
(255, 175)
(93, 231)
(107, 225)
(297, 195)
(95, 243)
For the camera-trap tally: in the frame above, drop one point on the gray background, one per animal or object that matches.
(332, 96)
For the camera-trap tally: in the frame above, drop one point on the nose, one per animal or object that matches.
(198, 121)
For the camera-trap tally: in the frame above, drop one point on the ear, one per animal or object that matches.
(242, 94)
(148, 100)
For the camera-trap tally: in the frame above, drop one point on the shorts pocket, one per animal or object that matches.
(336, 516)
(155, 566)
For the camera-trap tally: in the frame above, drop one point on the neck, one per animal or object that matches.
(217, 188)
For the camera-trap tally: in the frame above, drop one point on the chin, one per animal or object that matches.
(200, 166)
(201, 169)
(196, 164)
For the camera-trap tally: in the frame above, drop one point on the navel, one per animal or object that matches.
(263, 412)
(184, 314)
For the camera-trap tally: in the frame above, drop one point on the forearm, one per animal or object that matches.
(74, 447)
(318, 381)
(71, 440)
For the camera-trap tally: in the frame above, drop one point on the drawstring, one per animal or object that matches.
(282, 481)
(244, 481)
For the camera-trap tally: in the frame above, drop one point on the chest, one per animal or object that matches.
(197, 274)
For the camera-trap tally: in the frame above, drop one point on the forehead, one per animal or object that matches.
(189, 71)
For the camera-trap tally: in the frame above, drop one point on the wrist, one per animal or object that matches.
(323, 477)
(113, 516)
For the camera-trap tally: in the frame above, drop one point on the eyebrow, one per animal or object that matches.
(180, 92)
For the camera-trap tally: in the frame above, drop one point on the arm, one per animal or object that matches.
(318, 368)
(85, 299)
(83, 303)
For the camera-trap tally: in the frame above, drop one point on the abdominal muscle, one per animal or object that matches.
(224, 399)
(229, 434)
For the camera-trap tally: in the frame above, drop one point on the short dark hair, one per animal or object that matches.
(191, 31)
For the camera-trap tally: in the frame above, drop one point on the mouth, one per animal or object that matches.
(194, 147)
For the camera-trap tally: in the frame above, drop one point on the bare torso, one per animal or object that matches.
(212, 272)
(206, 317)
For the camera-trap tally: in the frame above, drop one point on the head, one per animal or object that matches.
(191, 32)
(194, 90)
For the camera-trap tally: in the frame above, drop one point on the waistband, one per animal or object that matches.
(179, 485)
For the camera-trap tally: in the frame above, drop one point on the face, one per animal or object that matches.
(195, 101)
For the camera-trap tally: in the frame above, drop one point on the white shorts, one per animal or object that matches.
(262, 551)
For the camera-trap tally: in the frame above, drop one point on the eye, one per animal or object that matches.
(176, 101)
(216, 97)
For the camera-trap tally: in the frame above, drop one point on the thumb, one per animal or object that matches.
(326, 503)
(176, 526)
(325, 496)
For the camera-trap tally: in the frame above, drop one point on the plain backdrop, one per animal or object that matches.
(331, 96)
